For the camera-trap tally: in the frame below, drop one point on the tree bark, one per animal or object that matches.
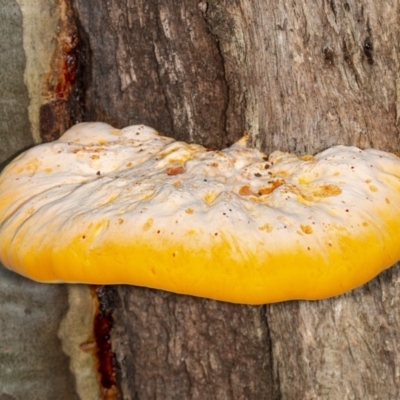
(47, 346)
(297, 76)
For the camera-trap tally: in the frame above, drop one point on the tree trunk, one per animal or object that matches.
(33, 364)
(297, 76)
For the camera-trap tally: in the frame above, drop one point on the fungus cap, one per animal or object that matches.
(108, 206)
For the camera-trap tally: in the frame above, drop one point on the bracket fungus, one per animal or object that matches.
(108, 206)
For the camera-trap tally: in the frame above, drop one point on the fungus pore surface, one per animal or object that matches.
(108, 206)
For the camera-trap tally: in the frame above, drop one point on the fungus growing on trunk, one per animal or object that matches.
(108, 206)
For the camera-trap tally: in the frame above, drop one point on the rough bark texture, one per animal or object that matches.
(313, 74)
(158, 65)
(180, 347)
(341, 348)
(297, 75)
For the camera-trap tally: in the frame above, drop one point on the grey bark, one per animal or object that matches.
(33, 364)
(14, 122)
(33, 361)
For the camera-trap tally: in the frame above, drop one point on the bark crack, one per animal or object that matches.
(159, 78)
(276, 384)
(203, 7)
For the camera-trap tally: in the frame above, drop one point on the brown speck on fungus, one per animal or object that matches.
(327, 190)
(307, 157)
(306, 229)
(269, 189)
(373, 188)
(245, 191)
(175, 170)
